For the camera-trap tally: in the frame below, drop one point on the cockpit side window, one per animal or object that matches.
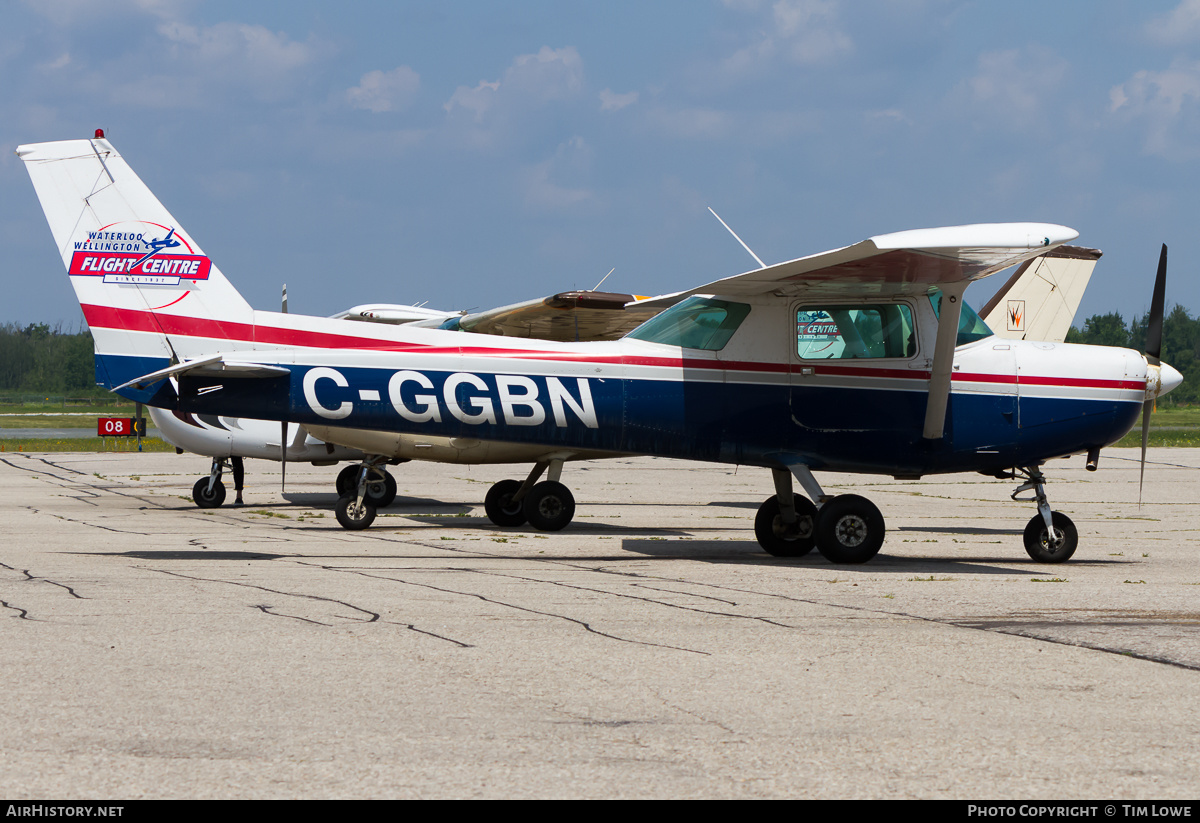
(696, 323)
(829, 332)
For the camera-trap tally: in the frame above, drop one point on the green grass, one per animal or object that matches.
(1169, 426)
(83, 444)
(48, 414)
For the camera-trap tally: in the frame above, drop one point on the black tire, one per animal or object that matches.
(499, 506)
(850, 529)
(347, 479)
(772, 535)
(353, 516)
(1037, 539)
(205, 498)
(381, 493)
(549, 506)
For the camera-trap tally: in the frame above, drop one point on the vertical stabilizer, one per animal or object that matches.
(149, 292)
(1040, 300)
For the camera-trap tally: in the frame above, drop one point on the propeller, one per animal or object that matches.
(283, 456)
(1154, 330)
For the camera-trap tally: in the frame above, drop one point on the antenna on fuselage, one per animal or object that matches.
(285, 298)
(758, 259)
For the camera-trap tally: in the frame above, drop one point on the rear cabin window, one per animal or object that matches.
(696, 323)
(851, 332)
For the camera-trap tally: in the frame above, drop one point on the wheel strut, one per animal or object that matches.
(1050, 537)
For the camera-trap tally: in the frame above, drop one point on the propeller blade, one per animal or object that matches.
(1154, 328)
(1147, 407)
(283, 456)
(1154, 332)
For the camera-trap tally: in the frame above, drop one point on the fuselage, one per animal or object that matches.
(759, 398)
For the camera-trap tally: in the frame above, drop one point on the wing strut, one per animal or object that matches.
(943, 360)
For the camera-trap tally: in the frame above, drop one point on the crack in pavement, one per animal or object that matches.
(30, 577)
(374, 616)
(958, 623)
(21, 614)
(633, 597)
(581, 623)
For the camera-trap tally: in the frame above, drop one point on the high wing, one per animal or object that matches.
(1040, 300)
(903, 263)
(906, 262)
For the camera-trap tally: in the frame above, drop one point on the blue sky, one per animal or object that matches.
(471, 154)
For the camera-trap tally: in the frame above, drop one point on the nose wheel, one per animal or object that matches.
(1050, 537)
(381, 486)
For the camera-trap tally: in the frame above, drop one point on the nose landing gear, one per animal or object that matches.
(1050, 537)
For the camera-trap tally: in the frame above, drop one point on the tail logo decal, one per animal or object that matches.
(1016, 315)
(137, 253)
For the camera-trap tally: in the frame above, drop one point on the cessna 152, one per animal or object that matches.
(859, 359)
(1037, 303)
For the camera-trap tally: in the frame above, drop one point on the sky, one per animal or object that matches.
(467, 155)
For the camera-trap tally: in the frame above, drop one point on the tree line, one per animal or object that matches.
(1180, 344)
(38, 359)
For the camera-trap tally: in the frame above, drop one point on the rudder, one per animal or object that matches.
(149, 293)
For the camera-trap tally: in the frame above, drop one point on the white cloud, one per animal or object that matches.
(611, 101)
(804, 32)
(809, 30)
(1012, 88)
(190, 66)
(531, 81)
(477, 100)
(238, 47)
(1167, 105)
(1180, 25)
(556, 183)
(66, 12)
(380, 91)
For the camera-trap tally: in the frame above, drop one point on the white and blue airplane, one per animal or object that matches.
(861, 359)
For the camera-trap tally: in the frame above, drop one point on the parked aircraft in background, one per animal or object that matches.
(584, 315)
(861, 359)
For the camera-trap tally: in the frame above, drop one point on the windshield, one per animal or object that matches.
(696, 323)
(970, 325)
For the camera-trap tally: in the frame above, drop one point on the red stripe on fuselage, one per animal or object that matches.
(140, 320)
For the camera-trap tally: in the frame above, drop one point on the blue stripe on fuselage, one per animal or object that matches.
(700, 420)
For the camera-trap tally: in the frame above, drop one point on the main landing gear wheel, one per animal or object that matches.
(346, 480)
(549, 506)
(1042, 548)
(207, 498)
(776, 538)
(849, 529)
(381, 491)
(499, 505)
(353, 515)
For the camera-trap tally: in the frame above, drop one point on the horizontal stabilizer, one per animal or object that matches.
(213, 366)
